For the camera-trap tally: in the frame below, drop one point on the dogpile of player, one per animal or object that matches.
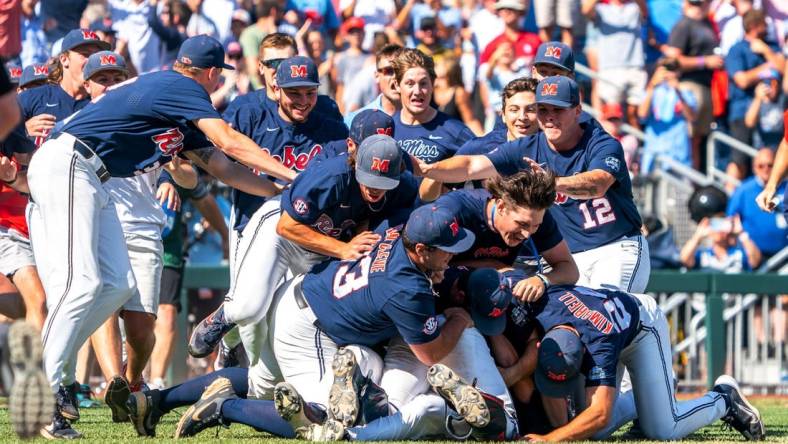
(392, 278)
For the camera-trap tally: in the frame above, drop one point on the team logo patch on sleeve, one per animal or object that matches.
(613, 163)
(300, 206)
(431, 325)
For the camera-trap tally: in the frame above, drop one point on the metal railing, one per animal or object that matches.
(711, 155)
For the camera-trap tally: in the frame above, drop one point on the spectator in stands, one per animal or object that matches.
(450, 95)
(315, 48)
(667, 111)
(322, 14)
(235, 81)
(612, 118)
(267, 12)
(365, 88)
(524, 43)
(447, 19)
(749, 62)
(429, 44)
(10, 25)
(721, 244)
(60, 17)
(389, 100)
(693, 41)
(199, 22)
(768, 230)
(34, 42)
(350, 61)
(485, 24)
(377, 15)
(220, 13)
(500, 71)
(241, 20)
(170, 27)
(620, 53)
(765, 114)
(733, 29)
(563, 13)
(130, 22)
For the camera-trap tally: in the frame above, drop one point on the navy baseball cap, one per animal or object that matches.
(558, 91)
(14, 73)
(297, 71)
(34, 73)
(79, 37)
(489, 297)
(438, 227)
(202, 51)
(556, 54)
(103, 25)
(558, 363)
(370, 122)
(378, 161)
(104, 61)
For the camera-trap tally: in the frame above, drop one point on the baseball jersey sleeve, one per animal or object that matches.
(603, 364)
(184, 101)
(413, 313)
(608, 156)
(548, 235)
(508, 158)
(310, 194)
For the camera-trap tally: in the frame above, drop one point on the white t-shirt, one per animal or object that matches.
(130, 21)
(485, 26)
(135, 202)
(376, 14)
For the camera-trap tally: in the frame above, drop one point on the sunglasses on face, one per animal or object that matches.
(272, 63)
(386, 71)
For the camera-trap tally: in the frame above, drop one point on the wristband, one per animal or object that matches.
(544, 280)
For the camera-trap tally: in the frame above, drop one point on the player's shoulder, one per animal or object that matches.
(37, 94)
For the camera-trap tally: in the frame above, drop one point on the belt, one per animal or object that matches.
(300, 300)
(90, 156)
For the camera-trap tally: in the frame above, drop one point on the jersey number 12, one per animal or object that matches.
(346, 283)
(602, 212)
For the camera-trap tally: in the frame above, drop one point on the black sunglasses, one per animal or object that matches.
(272, 63)
(386, 71)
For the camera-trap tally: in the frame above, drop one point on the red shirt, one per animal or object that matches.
(12, 210)
(10, 28)
(525, 47)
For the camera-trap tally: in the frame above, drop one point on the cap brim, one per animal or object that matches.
(108, 68)
(488, 326)
(100, 43)
(463, 244)
(226, 66)
(553, 389)
(555, 102)
(376, 182)
(552, 63)
(299, 83)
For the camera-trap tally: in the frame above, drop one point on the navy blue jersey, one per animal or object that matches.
(606, 320)
(470, 206)
(398, 203)
(485, 143)
(16, 142)
(140, 124)
(590, 223)
(435, 140)
(47, 99)
(294, 145)
(325, 105)
(372, 299)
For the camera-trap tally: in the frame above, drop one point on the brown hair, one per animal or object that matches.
(389, 50)
(517, 86)
(453, 71)
(753, 18)
(55, 70)
(277, 40)
(412, 58)
(186, 69)
(527, 189)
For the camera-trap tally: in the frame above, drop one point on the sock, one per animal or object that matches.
(258, 414)
(190, 391)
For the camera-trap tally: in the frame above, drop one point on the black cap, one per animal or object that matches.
(558, 363)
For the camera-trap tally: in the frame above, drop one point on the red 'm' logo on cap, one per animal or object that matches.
(385, 131)
(496, 312)
(455, 227)
(549, 89)
(298, 71)
(556, 376)
(15, 72)
(89, 35)
(553, 51)
(381, 165)
(108, 59)
(40, 70)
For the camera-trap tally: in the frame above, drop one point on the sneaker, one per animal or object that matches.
(59, 428)
(208, 333)
(331, 430)
(31, 403)
(741, 415)
(115, 397)
(66, 401)
(207, 412)
(343, 397)
(143, 408)
(228, 356)
(291, 407)
(465, 398)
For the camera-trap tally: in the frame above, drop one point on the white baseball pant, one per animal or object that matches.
(623, 264)
(145, 257)
(80, 251)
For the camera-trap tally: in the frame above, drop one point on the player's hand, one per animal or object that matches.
(40, 125)
(766, 200)
(460, 313)
(167, 193)
(360, 245)
(534, 165)
(8, 169)
(420, 168)
(532, 437)
(529, 290)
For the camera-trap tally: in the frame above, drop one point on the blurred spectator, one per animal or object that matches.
(612, 118)
(450, 95)
(500, 71)
(693, 42)
(321, 12)
(267, 12)
(662, 249)
(170, 27)
(720, 244)
(199, 22)
(220, 13)
(351, 61)
(749, 62)
(485, 24)
(241, 20)
(377, 15)
(235, 82)
(34, 43)
(765, 114)
(563, 13)
(104, 31)
(620, 53)
(733, 29)
(61, 16)
(427, 35)
(365, 87)
(447, 19)
(130, 21)
(768, 230)
(10, 26)
(524, 43)
(667, 112)
(316, 50)
(389, 100)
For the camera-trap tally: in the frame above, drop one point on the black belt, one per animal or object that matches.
(88, 154)
(299, 296)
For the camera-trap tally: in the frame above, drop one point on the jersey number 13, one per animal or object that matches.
(346, 282)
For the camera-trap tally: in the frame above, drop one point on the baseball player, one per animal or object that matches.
(365, 121)
(419, 129)
(594, 205)
(134, 128)
(33, 76)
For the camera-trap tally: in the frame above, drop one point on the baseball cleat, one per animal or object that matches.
(465, 398)
(331, 430)
(741, 415)
(343, 397)
(207, 412)
(290, 406)
(229, 356)
(66, 401)
(208, 333)
(143, 408)
(115, 397)
(31, 402)
(59, 428)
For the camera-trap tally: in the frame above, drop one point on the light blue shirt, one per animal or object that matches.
(375, 104)
(34, 42)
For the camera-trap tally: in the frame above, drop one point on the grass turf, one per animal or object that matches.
(97, 426)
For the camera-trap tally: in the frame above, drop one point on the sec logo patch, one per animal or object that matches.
(300, 206)
(430, 326)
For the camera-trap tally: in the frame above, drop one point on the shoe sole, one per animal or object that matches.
(117, 394)
(290, 406)
(468, 401)
(137, 406)
(31, 401)
(343, 398)
(214, 390)
(331, 430)
(46, 434)
(729, 381)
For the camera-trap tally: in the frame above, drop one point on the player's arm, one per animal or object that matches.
(231, 173)
(456, 169)
(182, 172)
(242, 148)
(13, 173)
(9, 109)
(765, 200)
(590, 421)
(430, 189)
(430, 353)
(525, 365)
(588, 185)
(312, 240)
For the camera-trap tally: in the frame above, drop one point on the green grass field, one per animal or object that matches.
(97, 427)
